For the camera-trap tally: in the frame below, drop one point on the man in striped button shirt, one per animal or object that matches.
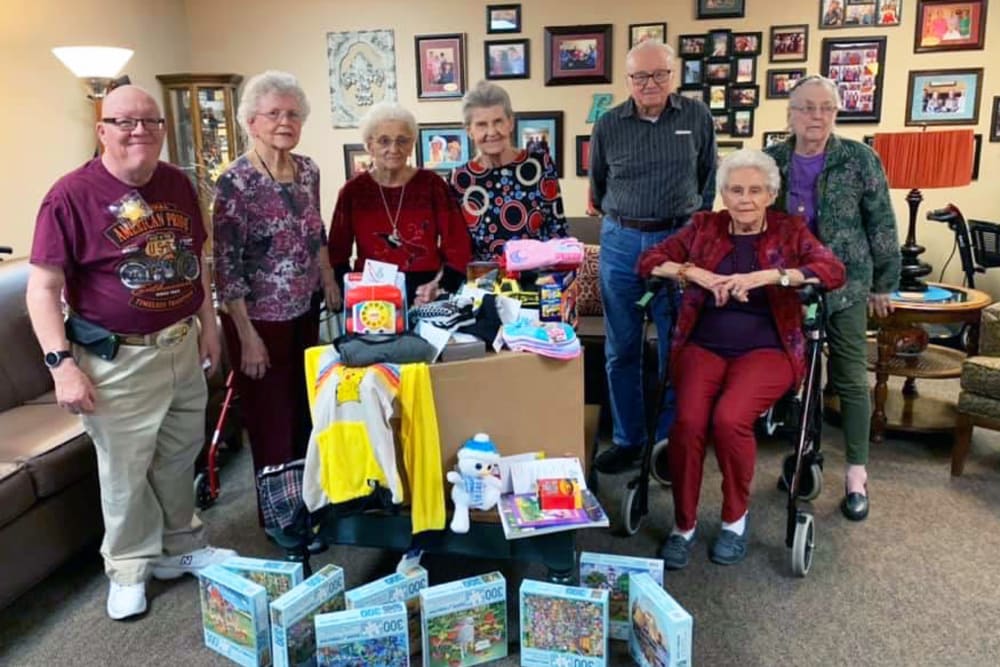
(652, 165)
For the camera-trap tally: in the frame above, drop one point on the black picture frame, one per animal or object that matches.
(507, 68)
(692, 45)
(742, 122)
(503, 19)
(440, 86)
(788, 43)
(353, 154)
(551, 122)
(747, 43)
(724, 148)
(719, 43)
(566, 68)
(722, 121)
(640, 32)
(995, 122)
(947, 85)
(773, 137)
(718, 71)
(446, 136)
(857, 66)
(977, 153)
(720, 9)
(695, 93)
(745, 75)
(780, 82)
(743, 96)
(583, 155)
(692, 72)
(838, 14)
(717, 96)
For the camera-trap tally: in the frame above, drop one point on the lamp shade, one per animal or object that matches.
(93, 62)
(916, 160)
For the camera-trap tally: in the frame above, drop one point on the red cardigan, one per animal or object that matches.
(786, 243)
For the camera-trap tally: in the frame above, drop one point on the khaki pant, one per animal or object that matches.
(148, 428)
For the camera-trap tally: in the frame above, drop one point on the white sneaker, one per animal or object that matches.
(126, 600)
(171, 567)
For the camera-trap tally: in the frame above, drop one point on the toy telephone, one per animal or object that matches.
(375, 309)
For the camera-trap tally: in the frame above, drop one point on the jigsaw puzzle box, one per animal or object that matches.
(293, 633)
(402, 587)
(563, 625)
(234, 617)
(661, 628)
(611, 571)
(372, 636)
(464, 622)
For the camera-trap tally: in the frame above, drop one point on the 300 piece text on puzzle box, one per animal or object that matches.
(402, 587)
(611, 572)
(661, 628)
(464, 622)
(368, 636)
(563, 625)
(293, 632)
(234, 616)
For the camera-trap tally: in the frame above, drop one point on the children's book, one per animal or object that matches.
(402, 587)
(234, 617)
(368, 637)
(563, 625)
(661, 629)
(611, 572)
(276, 576)
(293, 633)
(521, 516)
(464, 622)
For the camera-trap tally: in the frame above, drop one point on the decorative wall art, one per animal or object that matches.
(857, 66)
(362, 72)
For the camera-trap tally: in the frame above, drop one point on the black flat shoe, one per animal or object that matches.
(855, 505)
(617, 459)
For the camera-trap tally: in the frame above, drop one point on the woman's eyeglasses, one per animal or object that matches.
(386, 142)
(276, 116)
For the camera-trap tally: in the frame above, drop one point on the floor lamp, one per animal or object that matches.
(97, 66)
(922, 160)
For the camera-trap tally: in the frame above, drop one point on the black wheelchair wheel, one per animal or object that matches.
(202, 493)
(659, 466)
(631, 515)
(803, 544)
(811, 483)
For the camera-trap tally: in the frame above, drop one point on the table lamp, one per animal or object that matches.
(922, 160)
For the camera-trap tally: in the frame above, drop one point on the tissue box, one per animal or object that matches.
(234, 617)
(612, 572)
(372, 636)
(402, 587)
(563, 625)
(293, 633)
(464, 622)
(276, 576)
(661, 629)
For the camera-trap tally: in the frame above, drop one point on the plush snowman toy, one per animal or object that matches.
(474, 483)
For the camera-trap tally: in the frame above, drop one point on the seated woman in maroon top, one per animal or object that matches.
(738, 346)
(400, 214)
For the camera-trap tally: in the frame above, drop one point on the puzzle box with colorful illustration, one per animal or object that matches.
(611, 571)
(368, 636)
(276, 576)
(234, 616)
(293, 633)
(563, 625)
(402, 587)
(661, 629)
(464, 622)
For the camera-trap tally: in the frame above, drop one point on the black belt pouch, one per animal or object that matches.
(92, 337)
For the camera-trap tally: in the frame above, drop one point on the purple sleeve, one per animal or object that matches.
(53, 232)
(229, 237)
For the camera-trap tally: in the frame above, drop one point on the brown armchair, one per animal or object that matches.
(979, 400)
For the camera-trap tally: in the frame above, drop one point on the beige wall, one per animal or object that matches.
(247, 36)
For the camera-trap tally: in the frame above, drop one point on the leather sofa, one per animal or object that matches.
(49, 494)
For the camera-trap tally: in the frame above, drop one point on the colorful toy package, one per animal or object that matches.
(363, 637)
(661, 629)
(276, 576)
(563, 625)
(293, 633)
(464, 622)
(612, 572)
(234, 616)
(402, 587)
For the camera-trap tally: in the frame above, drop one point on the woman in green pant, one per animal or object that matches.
(839, 187)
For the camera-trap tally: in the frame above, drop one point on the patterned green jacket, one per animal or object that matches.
(855, 217)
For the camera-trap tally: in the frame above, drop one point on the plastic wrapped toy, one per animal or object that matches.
(474, 483)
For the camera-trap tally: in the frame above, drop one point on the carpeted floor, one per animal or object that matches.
(918, 583)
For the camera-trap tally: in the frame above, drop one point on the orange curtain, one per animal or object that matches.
(927, 159)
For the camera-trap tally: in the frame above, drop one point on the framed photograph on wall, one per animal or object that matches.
(641, 32)
(789, 43)
(541, 130)
(744, 97)
(857, 66)
(503, 18)
(746, 43)
(578, 54)
(692, 72)
(745, 69)
(977, 153)
(721, 9)
(691, 46)
(442, 146)
(440, 66)
(722, 122)
(780, 82)
(858, 13)
(943, 25)
(995, 123)
(717, 97)
(742, 123)
(583, 155)
(772, 138)
(944, 97)
(724, 148)
(719, 44)
(507, 59)
(356, 160)
(698, 93)
(718, 72)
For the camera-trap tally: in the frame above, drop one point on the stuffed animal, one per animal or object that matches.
(474, 482)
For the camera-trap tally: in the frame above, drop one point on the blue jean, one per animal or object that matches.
(621, 287)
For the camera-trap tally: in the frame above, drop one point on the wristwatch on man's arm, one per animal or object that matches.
(54, 358)
(783, 279)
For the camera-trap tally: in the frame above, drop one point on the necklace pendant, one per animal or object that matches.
(394, 240)
(801, 209)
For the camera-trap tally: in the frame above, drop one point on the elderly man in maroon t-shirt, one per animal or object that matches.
(121, 238)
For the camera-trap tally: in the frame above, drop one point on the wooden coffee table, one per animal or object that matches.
(910, 412)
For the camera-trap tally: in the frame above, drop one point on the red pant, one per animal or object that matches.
(727, 395)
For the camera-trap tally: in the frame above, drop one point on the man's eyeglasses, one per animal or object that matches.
(129, 124)
(386, 142)
(276, 116)
(810, 110)
(659, 77)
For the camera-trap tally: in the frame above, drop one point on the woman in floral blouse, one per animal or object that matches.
(271, 266)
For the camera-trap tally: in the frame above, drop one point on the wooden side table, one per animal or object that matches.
(910, 412)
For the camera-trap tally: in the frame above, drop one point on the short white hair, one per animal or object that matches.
(750, 158)
(648, 45)
(816, 80)
(263, 84)
(385, 112)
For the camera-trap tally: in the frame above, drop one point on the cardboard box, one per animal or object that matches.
(234, 617)
(276, 576)
(369, 636)
(402, 587)
(464, 622)
(661, 628)
(293, 632)
(611, 572)
(563, 625)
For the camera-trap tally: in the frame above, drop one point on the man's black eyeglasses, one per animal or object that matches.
(129, 124)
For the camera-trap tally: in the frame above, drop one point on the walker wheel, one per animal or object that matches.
(811, 483)
(659, 465)
(203, 498)
(803, 544)
(630, 511)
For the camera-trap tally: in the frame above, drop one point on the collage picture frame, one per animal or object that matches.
(835, 14)
(857, 66)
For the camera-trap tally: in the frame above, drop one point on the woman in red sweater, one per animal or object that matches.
(738, 346)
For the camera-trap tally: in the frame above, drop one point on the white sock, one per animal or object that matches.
(736, 526)
(686, 534)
